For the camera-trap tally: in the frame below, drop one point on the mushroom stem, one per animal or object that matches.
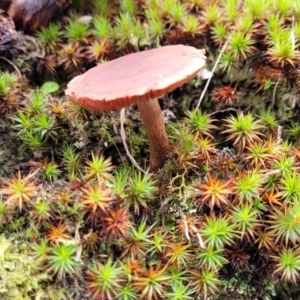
(155, 127)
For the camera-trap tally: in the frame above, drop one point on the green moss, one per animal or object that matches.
(21, 277)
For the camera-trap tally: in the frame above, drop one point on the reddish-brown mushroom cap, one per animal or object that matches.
(139, 78)
(136, 77)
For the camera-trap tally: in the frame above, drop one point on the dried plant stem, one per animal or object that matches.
(15, 67)
(123, 137)
(212, 73)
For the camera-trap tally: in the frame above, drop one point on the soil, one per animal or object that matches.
(13, 157)
(10, 157)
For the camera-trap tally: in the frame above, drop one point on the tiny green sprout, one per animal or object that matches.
(211, 14)
(23, 123)
(5, 213)
(256, 8)
(152, 13)
(10, 78)
(285, 164)
(199, 123)
(227, 62)
(96, 197)
(37, 103)
(247, 186)
(77, 113)
(267, 84)
(167, 5)
(103, 7)
(268, 119)
(180, 254)
(50, 36)
(104, 281)
(32, 232)
(245, 25)
(62, 260)
(245, 219)
(211, 258)
(206, 148)
(40, 251)
(274, 24)
(187, 144)
(287, 146)
(294, 130)
(50, 87)
(243, 129)
(177, 275)
(177, 13)
(285, 224)
(51, 171)
(219, 33)
(42, 211)
(127, 292)
(34, 141)
(44, 126)
(7, 80)
(259, 206)
(258, 154)
(140, 190)
(231, 10)
(205, 282)
(217, 232)
(71, 160)
(102, 28)
(282, 51)
(138, 240)
(18, 190)
(77, 31)
(241, 45)
(213, 192)
(152, 281)
(129, 6)
(159, 241)
(180, 291)
(191, 24)
(124, 27)
(290, 187)
(121, 178)
(288, 264)
(99, 167)
(156, 30)
(283, 7)
(97, 50)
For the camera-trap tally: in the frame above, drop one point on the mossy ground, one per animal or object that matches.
(258, 80)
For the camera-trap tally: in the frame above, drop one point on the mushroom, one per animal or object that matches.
(139, 78)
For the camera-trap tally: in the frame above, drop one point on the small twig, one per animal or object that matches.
(293, 33)
(77, 239)
(223, 111)
(123, 138)
(279, 133)
(31, 175)
(186, 226)
(273, 172)
(200, 240)
(15, 67)
(213, 71)
(238, 7)
(274, 92)
(194, 229)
